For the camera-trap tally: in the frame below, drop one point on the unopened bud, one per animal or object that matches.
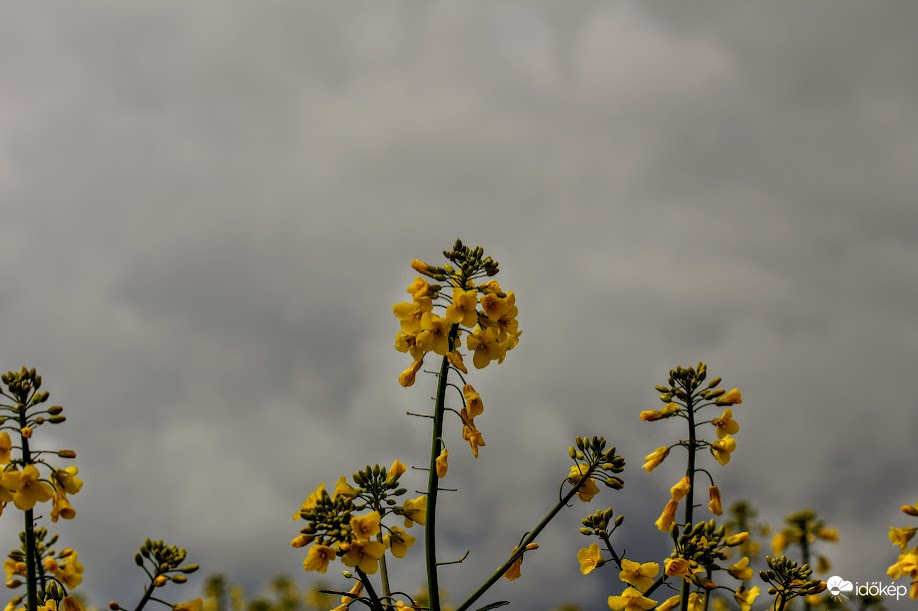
(66, 453)
(114, 606)
(54, 410)
(586, 531)
(179, 578)
(26, 432)
(57, 419)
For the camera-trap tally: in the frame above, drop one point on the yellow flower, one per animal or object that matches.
(71, 574)
(907, 564)
(823, 565)
(741, 570)
(364, 555)
(491, 286)
(455, 359)
(514, 571)
(415, 510)
(494, 307)
(654, 459)
(14, 568)
(725, 425)
(342, 488)
(409, 314)
(666, 519)
(310, 503)
(484, 343)
(191, 605)
(721, 449)
(419, 288)
(6, 444)
(507, 325)
(434, 335)
(406, 378)
(631, 600)
(30, 490)
(366, 526)
(408, 342)
(462, 310)
(589, 559)
(681, 488)
(911, 510)
(395, 471)
(470, 433)
(828, 534)
(734, 397)
(398, 541)
(473, 402)
(442, 464)
(670, 603)
(901, 536)
(71, 603)
(589, 489)
(639, 575)
(715, 504)
(66, 480)
(778, 543)
(61, 507)
(50, 605)
(745, 597)
(737, 539)
(680, 567)
(50, 564)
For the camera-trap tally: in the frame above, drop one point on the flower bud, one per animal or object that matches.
(66, 453)
(114, 606)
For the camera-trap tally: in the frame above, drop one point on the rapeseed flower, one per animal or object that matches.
(631, 600)
(589, 559)
(639, 575)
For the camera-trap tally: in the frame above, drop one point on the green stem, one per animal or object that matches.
(369, 587)
(430, 532)
(148, 593)
(522, 547)
(31, 570)
(689, 498)
(384, 575)
(805, 550)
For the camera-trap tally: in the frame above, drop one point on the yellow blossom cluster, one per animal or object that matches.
(358, 540)
(906, 564)
(491, 331)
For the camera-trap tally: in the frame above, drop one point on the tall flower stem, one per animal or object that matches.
(690, 473)
(31, 569)
(430, 529)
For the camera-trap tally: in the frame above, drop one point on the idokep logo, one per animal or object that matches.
(838, 587)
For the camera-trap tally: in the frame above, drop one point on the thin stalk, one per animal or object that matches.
(148, 594)
(371, 593)
(690, 472)
(31, 581)
(384, 574)
(522, 547)
(430, 529)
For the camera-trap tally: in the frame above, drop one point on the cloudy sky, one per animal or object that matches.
(208, 211)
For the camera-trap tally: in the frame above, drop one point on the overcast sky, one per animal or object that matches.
(208, 211)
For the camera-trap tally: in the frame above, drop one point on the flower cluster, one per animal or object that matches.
(788, 580)
(335, 529)
(25, 487)
(490, 332)
(907, 563)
